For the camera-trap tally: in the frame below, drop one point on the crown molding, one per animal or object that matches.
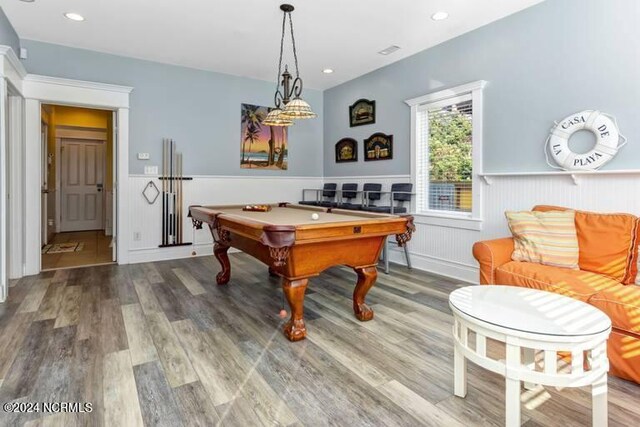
(12, 58)
(36, 78)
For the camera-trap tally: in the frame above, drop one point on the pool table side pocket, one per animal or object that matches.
(403, 238)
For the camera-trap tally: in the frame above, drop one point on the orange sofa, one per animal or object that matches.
(608, 265)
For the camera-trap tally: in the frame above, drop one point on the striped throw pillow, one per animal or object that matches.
(547, 238)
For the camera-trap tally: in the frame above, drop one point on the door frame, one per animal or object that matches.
(44, 193)
(84, 134)
(12, 73)
(52, 90)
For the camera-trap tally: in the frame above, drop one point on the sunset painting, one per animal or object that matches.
(262, 147)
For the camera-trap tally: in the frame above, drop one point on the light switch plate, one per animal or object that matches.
(143, 156)
(151, 170)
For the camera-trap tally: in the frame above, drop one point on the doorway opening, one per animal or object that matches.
(77, 203)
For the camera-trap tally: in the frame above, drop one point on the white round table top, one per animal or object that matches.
(529, 310)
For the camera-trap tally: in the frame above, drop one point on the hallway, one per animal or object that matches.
(93, 248)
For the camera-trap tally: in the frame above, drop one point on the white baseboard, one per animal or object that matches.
(458, 271)
(137, 256)
(442, 267)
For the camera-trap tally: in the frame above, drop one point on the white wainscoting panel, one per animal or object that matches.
(447, 250)
(443, 250)
(599, 193)
(203, 190)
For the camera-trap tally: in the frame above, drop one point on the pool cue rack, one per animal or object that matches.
(172, 195)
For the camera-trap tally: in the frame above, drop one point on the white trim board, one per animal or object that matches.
(54, 90)
(365, 177)
(11, 68)
(446, 93)
(576, 176)
(252, 177)
(16, 191)
(11, 151)
(79, 133)
(81, 84)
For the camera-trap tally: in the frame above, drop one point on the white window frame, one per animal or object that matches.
(472, 220)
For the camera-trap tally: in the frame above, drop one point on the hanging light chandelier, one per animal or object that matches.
(289, 106)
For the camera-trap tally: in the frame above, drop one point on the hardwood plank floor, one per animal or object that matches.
(161, 344)
(96, 249)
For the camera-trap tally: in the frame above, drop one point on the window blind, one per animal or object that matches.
(444, 155)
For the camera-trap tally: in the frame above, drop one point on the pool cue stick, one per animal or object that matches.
(166, 194)
(176, 207)
(162, 182)
(181, 198)
(165, 184)
(164, 191)
(173, 192)
(180, 225)
(170, 191)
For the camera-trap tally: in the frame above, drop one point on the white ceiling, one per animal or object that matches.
(242, 37)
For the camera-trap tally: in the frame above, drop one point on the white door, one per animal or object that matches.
(81, 185)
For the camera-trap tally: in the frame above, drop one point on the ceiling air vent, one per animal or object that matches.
(389, 50)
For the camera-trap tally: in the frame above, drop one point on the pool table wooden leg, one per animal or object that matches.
(295, 329)
(220, 252)
(366, 278)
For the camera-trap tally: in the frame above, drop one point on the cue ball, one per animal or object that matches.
(315, 216)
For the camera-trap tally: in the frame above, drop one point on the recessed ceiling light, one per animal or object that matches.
(328, 70)
(439, 16)
(389, 50)
(74, 16)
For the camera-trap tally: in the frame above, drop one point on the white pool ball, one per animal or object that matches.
(315, 216)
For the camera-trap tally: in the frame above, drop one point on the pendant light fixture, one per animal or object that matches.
(289, 105)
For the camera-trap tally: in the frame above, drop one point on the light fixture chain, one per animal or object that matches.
(284, 20)
(293, 42)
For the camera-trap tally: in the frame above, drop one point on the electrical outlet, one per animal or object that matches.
(143, 156)
(151, 170)
(137, 236)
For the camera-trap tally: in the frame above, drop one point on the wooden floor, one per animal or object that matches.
(162, 344)
(96, 250)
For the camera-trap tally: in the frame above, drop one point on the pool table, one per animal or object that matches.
(297, 247)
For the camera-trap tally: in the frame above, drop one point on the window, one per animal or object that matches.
(447, 151)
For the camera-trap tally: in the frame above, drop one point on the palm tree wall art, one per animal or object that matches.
(262, 147)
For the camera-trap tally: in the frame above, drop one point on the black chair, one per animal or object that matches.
(328, 196)
(400, 193)
(371, 194)
(348, 193)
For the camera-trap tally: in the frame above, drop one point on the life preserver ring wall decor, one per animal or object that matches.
(608, 141)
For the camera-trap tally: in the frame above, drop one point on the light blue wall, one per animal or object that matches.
(8, 35)
(199, 109)
(542, 64)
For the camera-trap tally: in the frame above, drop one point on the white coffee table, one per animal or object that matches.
(530, 322)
